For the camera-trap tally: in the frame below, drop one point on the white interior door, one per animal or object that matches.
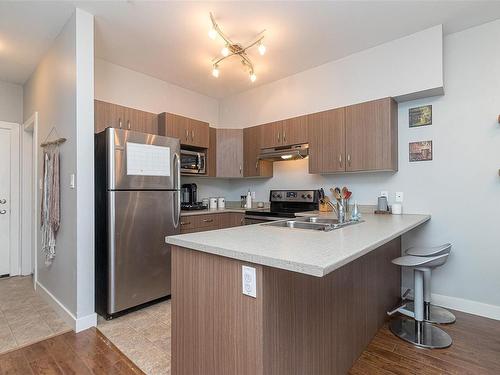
(4, 201)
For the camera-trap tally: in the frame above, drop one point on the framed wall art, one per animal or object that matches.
(421, 151)
(420, 116)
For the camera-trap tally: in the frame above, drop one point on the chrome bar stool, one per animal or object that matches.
(432, 313)
(415, 330)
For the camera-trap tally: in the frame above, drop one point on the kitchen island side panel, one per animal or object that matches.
(298, 324)
(216, 330)
(320, 325)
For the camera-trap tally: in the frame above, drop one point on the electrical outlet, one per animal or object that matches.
(249, 283)
(399, 196)
(384, 193)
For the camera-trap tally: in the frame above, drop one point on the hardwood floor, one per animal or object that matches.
(87, 352)
(475, 350)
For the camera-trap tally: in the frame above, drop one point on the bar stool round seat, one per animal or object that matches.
(432, 313)
(417, 331)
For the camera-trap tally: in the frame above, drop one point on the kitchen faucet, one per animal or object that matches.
(339, 210)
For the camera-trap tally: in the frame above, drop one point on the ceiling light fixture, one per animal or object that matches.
(235, 49)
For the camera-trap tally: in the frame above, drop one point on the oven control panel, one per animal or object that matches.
(307, 196)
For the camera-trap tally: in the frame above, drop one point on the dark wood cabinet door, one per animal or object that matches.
(271, 134)
(116, 116)
(327, 141)
(230, 153)
(295, 131)
(198, 133)
(172, 125)
(236, 219)
(212, 153)
(252, 166)
(372, 136)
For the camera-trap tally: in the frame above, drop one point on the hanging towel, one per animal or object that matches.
(50, 209)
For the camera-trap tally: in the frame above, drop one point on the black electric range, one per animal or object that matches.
(284, 204)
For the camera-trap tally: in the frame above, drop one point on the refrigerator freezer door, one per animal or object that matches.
(140, 161)
(139, 260)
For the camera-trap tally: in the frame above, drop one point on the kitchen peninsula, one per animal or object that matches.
(320, 296)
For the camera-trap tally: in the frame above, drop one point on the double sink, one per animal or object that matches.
(312, 223)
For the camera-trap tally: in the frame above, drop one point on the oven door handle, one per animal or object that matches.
(266, 218)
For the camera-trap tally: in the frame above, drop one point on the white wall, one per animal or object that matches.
(11, 102)
(460, 187)
(402, 67)
(61, 91)
(119, 85)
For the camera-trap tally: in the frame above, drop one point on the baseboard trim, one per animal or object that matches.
(467, 306)
(464, 305)
(77, 324)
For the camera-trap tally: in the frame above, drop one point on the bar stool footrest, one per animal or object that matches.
(421, 334)
(437, 314)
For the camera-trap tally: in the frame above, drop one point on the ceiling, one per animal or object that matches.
(169, 41)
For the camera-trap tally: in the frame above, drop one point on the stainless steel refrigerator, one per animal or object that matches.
(137, 204)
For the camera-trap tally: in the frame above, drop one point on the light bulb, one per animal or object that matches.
(212, 34)
(215, 71)
(225, 51)
(262, 49)
(253, 77)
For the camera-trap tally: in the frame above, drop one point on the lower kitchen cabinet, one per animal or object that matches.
(206, 222)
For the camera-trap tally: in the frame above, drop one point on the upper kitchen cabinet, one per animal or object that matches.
(229, 153)
(284, 133)
(270, 134)
(116, 116)
(189, 131)
(327, 141)
(252, 166)
(371, 136)
(212, 153)
(295, 131)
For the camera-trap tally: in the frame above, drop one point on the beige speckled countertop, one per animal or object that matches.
(305, 251)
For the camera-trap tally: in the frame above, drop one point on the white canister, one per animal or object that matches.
(221, 203)
(213, 203)
(397, 209)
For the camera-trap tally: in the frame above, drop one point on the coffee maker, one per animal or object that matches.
(189, 198)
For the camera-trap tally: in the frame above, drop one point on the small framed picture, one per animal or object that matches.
(420, 151)
(420, 116)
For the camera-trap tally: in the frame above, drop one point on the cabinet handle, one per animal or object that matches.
(3, 212)
(242, 221)
(192, 135)
(349, 159)
(240, 169)
(279, 137)
(208, 220)
(3, 201)
(257, 165)
(120, 123)
(185, 222)
(340, 159)
(128, 124)
(284, 136)
(187, 134)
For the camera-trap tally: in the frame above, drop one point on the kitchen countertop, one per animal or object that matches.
(305, 251)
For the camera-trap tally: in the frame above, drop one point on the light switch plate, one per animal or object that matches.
(399, 196)
(249, 282)
(72, 180)
(384, 193)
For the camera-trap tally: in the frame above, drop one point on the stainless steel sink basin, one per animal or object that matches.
(312, 223)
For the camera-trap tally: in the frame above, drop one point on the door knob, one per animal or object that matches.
(3, 201)
(3, 212)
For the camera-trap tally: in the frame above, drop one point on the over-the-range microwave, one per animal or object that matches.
(193, 162)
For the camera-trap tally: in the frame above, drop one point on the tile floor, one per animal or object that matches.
(143, 336)
(24, 317)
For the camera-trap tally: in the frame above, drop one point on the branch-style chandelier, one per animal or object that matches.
(235, 49)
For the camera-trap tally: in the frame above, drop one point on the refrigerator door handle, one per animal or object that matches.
(177, 186)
